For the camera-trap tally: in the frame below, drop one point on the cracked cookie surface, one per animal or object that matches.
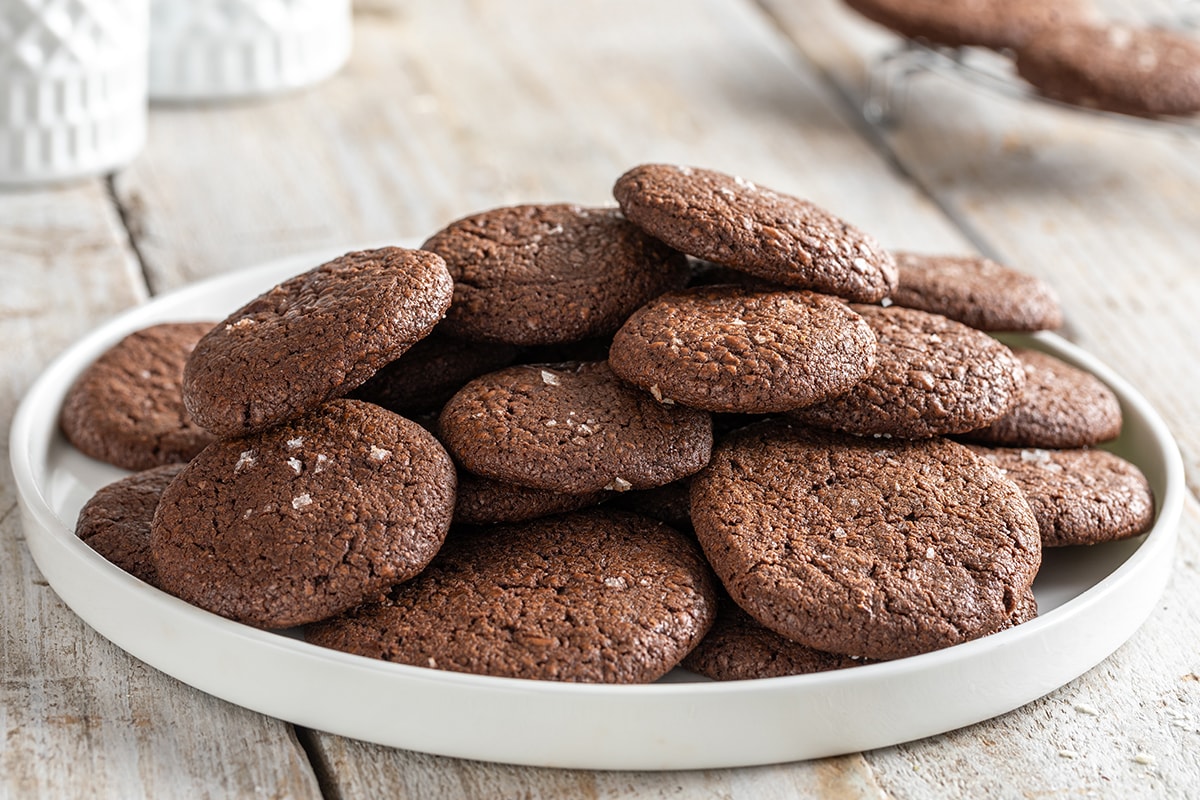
(732, 350)
(127, 407)
(573, 428)
(302, 521)
(734, 222)
(869, 548)
(593, 596)
(550, 274)
(314, 337)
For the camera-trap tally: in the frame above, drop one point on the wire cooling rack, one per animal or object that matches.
(891, 73)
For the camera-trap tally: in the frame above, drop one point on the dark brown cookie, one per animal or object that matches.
(589, 597)
(870, 548)
(115, 522)
(1078, 496)
(1026, 611)
(432, 370)
(740, 649)
(127, 407)
(302, 521)
(732, 221)
(314, 337)
(1142, 71)
(997, 24)
(544, 274)
(724, 348)
(572, 428)
(932, 376)
(482, 501)
(1061, 407)
(977, 292)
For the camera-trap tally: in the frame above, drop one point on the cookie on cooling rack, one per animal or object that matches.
(1140, 71)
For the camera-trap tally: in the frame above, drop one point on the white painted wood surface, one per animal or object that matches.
(447, 108)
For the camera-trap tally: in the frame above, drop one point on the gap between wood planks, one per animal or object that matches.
(133, 229)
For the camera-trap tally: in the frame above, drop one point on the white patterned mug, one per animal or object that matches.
(221, 49)
(72, 87)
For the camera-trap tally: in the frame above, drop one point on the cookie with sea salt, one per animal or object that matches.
(307, 519)
(976, 291)
(1078, 496)
(127, 407)
(482, 501)
(314, 337)
(115, 522)
(729, 220)
(864, 547)
(932, 376)
(546, 274)
(598, 597)
(573, 428)
(731, 350)
(1117, 67)
(1061, 407)
(998, 24)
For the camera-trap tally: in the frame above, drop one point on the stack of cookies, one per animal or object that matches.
(1065, 49)
(718, 426)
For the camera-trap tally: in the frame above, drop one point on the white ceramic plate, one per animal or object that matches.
(1092, 600)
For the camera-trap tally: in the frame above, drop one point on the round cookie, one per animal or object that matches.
(429, 374)
(548, 274)
(127, 408)
(932, 376)
(732, 221)
(997, 24)
(307, 519)
(314, 337)
(870, 548)
(1078, 496)
(732, 350)
(739, 649)
(115, 522)
(977, 292)
(1141, 71)
(1062, 407)
(482, 501)
(572, 428)
(587, 597)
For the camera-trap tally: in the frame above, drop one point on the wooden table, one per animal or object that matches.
(451, 107)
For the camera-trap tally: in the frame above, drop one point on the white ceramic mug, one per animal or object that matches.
(72, 87)
(221, 49)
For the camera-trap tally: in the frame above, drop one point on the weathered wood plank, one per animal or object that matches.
(80, 718)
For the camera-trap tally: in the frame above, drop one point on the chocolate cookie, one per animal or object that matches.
(1142, 71)
(879, 549)
(1078, 496)
(932, 376)
(127, 407)
(998, 24)
(572, 428)
(1062, 407)
(727, 349)
(590, 597)
(302, 521)
(482, 501)
(977, 292)
(739, 649)
(429, 374)
(115, 522)
(543, 274)
(732, 221)
(314, 337)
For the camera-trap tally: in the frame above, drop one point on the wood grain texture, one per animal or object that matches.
(81, 718)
